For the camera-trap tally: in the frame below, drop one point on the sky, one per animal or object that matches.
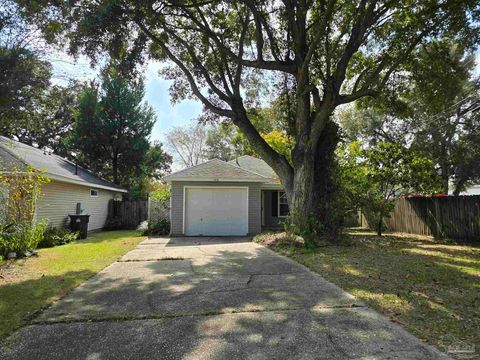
(156, 92)
(168, 115)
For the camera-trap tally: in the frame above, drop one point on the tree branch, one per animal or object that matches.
(285, 66)
(191, 80)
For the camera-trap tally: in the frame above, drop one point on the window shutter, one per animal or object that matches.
(275, 203)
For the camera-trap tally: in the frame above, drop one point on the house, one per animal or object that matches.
(219, 198)
(69, 184)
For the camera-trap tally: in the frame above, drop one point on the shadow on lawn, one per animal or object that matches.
(21, 301)
(270, 306)
(430, 287)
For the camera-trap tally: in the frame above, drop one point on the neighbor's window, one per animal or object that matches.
(282, 204)
(93, 193)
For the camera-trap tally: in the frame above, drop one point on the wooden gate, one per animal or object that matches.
(127, 214)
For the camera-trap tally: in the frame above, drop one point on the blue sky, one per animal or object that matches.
(168, 115)
(156, 92)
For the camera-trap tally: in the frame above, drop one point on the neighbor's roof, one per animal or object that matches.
(246, 169)
(256, 165)
(16, 156)
(216, 170)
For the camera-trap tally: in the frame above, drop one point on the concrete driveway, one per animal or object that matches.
(208, 298)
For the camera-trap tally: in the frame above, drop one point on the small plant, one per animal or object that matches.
(18, 238)
(158, 227)
(18, 231)
(143, 227)
(305, 227)
(57, 236)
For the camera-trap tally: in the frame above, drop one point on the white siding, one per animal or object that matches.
(58, 199)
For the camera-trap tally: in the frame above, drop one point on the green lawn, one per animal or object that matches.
(429, 287)
(27, 286)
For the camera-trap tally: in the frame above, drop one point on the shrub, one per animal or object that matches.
(57, 236)
(307, 227)
(114, 224)
(143, 227)
(158, 227)
(19, 238)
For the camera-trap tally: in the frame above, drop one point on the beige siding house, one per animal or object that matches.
(219, 198)
(69, 185)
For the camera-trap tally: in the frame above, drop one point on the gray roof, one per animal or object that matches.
(216, 170)
(16, 156)
(245, 168)
(256, 165)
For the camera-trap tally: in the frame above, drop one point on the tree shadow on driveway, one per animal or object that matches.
(223, 301)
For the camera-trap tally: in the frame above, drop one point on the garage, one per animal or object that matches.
(215, 211)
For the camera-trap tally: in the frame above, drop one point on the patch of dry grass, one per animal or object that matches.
(430, 287)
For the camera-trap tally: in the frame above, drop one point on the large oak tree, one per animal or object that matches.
(331, 52)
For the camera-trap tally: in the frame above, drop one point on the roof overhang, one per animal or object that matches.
(68, 180)
(270, 186)
(169, 179)
(83, 183)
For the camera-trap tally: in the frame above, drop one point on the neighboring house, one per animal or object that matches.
(69, 184)
(219, 198)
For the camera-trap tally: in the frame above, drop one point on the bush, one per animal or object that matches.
(57, 236)
(143, 227)
(114, 224)
(19, 238)
(158, 227)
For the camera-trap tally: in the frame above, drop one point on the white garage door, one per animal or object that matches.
(216, 211)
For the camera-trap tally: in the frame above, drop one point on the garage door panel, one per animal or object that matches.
(216, 211)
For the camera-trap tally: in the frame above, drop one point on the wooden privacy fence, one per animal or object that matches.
(127, 214)
(454, 217)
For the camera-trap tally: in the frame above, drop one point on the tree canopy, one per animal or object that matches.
(434, 109)
(327, 53)
(373, 177)
(112, 130)
(32, 110)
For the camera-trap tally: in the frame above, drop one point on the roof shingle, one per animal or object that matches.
(218, 170)
(244, 168)
(256, 165)
(13, 151)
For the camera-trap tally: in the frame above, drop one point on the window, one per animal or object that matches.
(93, 193)
(282, 204)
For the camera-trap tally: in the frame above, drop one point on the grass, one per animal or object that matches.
(431, 288)
(27, 286)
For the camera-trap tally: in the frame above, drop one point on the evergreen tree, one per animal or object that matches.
(112, 130)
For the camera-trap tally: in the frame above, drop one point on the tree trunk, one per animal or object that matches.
(314, 202)
(445, 185)
(115, 169)
(379, 225)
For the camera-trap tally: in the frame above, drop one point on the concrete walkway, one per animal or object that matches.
(211, 299)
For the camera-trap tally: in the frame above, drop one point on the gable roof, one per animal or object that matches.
(256, 165)
(216, 170)
(16, 156)
(245, 168)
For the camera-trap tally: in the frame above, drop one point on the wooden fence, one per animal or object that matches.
(454, 217)
(127, 214)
